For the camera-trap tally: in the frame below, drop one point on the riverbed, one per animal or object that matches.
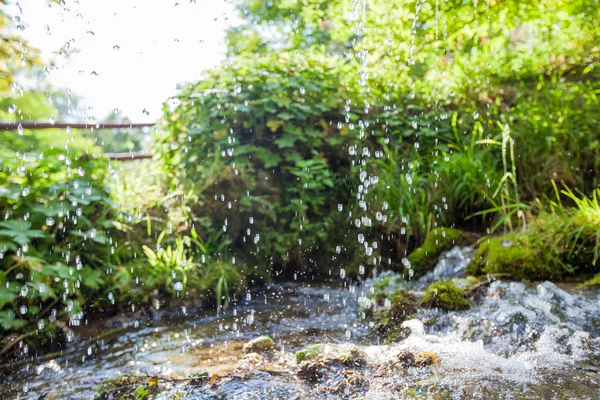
(518, 341)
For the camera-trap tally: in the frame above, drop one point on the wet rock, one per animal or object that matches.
(451, 264)
(312, 371)
(251, 360)
(353, 378)
(406, 359)
(388, 320)
(198, 377)
(261, 343)
(309, 352)
(329, 353)
(425, 358)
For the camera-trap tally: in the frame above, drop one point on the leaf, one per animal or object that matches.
(20, 231)
(93, 278)
(6, 296)
(285, 142)
(286, 115)
(273, 125)
(9, 322)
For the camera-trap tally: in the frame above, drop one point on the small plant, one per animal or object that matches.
(171, 266)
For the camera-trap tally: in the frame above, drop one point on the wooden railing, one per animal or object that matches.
(16, 125)
(13, 126)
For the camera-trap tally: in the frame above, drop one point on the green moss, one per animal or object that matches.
(515, 256)
(122, 387)
(436, 242)
(309, 352)
(382, 284)
(445, 295)
(346, 354)
(261, 343)
(388, 321)
(593, 282)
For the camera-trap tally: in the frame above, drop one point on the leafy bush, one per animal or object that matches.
(261, 143)
(55, 238)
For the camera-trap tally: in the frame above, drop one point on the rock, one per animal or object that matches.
(353, 378)
(329, 353)
(309, 352)
(261, 343)
(312, 371)
(198, 376)
(251, 360)
(389, 320)
(406, 359)
(425, 358)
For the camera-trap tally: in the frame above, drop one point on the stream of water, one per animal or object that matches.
(536, 341)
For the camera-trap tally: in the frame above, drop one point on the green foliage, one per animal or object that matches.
(55, 238)
(262, 148)
(558, 243)
(445, 295)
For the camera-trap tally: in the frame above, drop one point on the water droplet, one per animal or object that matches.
(475, 115)
(20, 129)
(178, 286)
(12, 108)
(361, 238)
(23, 309)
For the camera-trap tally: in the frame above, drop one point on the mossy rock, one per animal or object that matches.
(389, 320)
(309, 352)
(436, 242)
(330, 353)
(261, 343)
(425, 358)
(591, 283)
(514, 256)
(445, 295)
(126, 387)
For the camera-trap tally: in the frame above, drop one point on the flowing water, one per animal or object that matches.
(518, 341)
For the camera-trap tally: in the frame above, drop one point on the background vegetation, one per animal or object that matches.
(336, 136)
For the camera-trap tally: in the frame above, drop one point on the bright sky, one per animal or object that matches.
(131, 53)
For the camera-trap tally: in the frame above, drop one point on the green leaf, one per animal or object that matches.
(6, 296)
(285, 142)
(20, 231)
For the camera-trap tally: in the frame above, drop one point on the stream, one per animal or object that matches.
(535, 341)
